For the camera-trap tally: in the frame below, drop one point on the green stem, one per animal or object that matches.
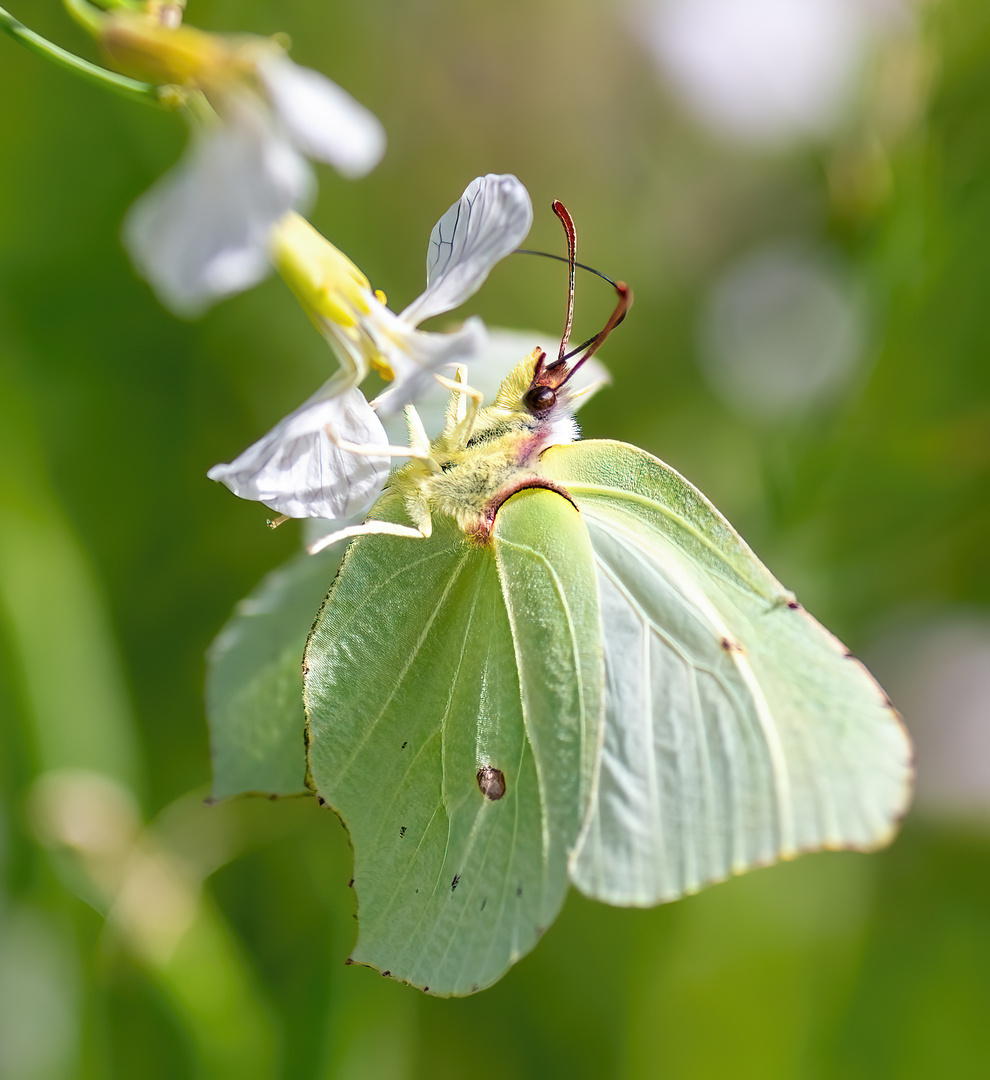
(119, 84)
(88, 17)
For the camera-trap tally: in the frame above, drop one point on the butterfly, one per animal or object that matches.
(577, 673)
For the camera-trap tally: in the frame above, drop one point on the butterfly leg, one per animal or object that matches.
(377, 449)
(469, 402)
(368, 528)
(419, 441)
(418, 509)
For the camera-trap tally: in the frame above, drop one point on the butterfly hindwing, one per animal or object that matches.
(254, 681)
(737, 729)
(460, 767)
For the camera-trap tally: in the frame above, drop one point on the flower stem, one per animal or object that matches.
(85, 14)
(119, 84)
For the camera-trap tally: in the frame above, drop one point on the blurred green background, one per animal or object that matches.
(809, 346)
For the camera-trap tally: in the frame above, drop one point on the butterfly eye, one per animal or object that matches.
(539, 399)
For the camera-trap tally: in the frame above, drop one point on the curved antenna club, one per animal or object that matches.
(568, 222)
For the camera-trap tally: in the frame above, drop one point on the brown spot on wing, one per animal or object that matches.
(492, 782)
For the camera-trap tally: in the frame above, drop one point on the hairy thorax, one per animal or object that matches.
(470, 483)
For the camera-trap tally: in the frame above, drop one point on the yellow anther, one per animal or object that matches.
(379, 364)
(381, 297)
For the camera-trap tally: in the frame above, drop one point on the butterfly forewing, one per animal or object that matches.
(460, 811)
(737, 729)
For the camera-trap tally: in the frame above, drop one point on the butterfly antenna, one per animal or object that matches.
(568, 222)
(624, 303)
(563, 258)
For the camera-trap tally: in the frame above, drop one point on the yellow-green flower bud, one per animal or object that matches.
(327, 284)
(184, 56)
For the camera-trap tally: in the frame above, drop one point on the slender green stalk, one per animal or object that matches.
(90, 15)
(85, 14)
(119, 84)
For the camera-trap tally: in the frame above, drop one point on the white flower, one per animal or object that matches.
(489, 221)
(298, 468)
(202, 232)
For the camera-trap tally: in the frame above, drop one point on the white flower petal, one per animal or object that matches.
(418, 354)
(323, 120)
(202, 231)
(489, 220)
(296, 470)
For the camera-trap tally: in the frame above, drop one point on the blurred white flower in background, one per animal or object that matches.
(938, 674)
(764, 71)
(202, 231)
(300, 468)
(783, 331)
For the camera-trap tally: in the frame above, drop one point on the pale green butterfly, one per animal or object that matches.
(577, 674)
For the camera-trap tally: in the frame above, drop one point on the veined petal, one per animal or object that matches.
(202, 231)
(296, 470)
(489, 220)
(323, 120)
(416, 355)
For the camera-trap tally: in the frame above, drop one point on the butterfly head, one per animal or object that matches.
(537, 400)
(550, 396)
(534, 408)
